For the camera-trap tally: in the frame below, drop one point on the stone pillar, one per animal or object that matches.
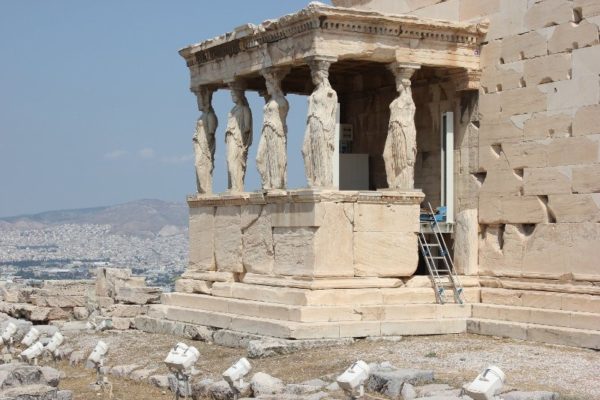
(400, 149)
(238, 137)
(319, 139)
(271, 159)
(466, 242)
(204, 140)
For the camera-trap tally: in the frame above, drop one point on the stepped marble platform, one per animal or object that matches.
(565, 318)
(557, 314)
(318, 314)
(535, 332)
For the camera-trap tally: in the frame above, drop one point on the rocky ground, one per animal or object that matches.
(136, 365)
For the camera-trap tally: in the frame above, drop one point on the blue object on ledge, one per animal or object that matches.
(440, 215)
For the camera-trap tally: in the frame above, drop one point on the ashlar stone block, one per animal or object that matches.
(570, 36)
(544, 181)
(336, 232)
(502, 181)
(470, 9)
(552, 68)
(386, 218)
(490, 53)
(587, 121)
(585, 63)
(522, 101)
(499, 130)
(202, 239)
(501, 250)
(549, 251)
(495, 209)
(294, 253)
(257, 240)
(193, 286)
(317, 251)
(526, 154)
(586, 179)
(574, 150)
(228, 239)
(589, 8)
(575, 207)
(502, 77)
(489, 106)
(509, 21)
(583, 248)
(545, 125)
(295, 214)
(548, 13)
(385, 254)
(521, 47)
(573, 93)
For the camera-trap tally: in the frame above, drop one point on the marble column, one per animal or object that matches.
(204, 140)
(400, 149)
(319, 138)
(238, 137)
(271, 159)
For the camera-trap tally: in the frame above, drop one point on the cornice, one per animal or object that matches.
(327, 19)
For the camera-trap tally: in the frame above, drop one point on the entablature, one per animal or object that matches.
(337, 33)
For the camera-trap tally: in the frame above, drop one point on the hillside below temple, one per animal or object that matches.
(474, 112)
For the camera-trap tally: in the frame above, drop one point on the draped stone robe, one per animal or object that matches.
(271, 159)
(400, 150)
(238, 139)
(319, 140)
(204, 150)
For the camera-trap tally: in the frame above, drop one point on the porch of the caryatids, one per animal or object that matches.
(400, 149)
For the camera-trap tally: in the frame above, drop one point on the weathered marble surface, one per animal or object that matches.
(302, 234)
(271, 159)
(319, 139)
(400, 150)
(204, 140)
(238, 138)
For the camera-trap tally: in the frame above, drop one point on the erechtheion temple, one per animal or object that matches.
(488, 109)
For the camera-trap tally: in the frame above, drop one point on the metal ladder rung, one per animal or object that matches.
(448, 279)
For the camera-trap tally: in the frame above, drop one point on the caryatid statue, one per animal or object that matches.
(238, 138)
(319, 139)
(400, 150)
(271, 159)
(204, 140)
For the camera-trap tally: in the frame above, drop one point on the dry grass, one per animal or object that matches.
(456, 359)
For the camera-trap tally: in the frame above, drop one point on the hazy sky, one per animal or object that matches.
(95, 107)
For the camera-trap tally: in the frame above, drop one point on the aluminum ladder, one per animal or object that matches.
(439, 263)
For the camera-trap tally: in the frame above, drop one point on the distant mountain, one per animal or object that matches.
(140, 218)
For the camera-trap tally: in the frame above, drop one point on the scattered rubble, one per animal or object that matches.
(115, 294)
(118, 302)
(20, 381)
